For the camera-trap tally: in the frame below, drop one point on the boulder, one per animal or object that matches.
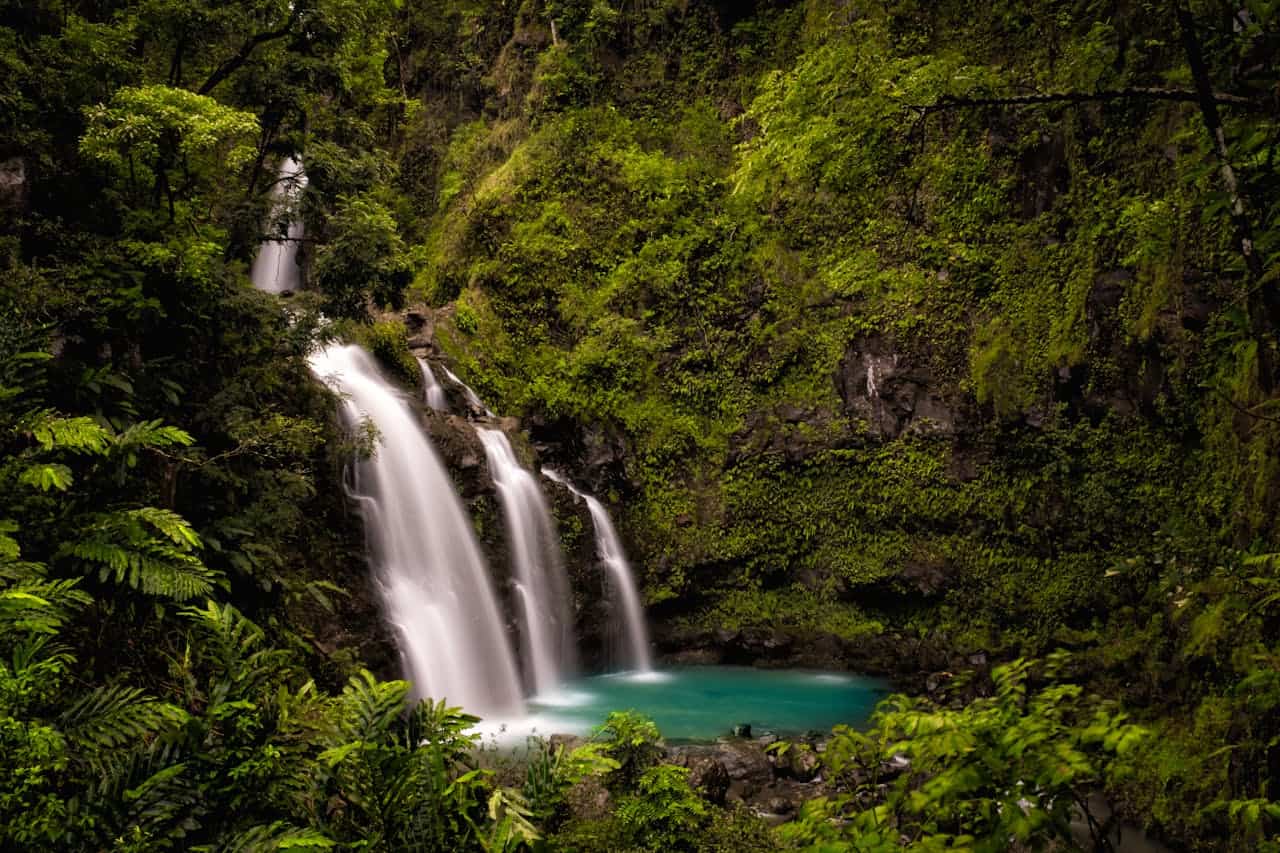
(804, 764)
(14, 184)
(709, 778)
(589, 800)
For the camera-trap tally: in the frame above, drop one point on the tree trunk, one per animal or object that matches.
(1264, 301)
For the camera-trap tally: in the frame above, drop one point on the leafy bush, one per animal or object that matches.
(1018, 765)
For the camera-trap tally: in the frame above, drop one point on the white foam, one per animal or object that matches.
(563, 698)
(645, 677)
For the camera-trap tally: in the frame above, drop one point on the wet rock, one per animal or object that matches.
(458, 445)
(780, 805)
(14, 184)
(894, 767)
(709, 777)
(589, 800)
(892, 395)
(421, 326)
(566, 742)
(928, 577)
(744, 761)
(804, 765)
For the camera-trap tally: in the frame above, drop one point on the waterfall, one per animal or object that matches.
(472, 398)
(434, 582)
(275, 269)
(434, 391)
(634, 639)
(546, 623)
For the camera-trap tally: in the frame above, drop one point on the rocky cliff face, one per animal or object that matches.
(455, 439)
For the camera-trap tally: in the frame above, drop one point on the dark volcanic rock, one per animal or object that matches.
(14, 184)
(709, 777)
(892, 395)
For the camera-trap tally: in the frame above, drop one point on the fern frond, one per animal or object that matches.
(268, 838)
(171, 525)
(77, 435)
(369, 707)
(166, 804)
(21, 571)
(9, 550)
(46, 476)
(106, 719)
(232, 637)
(41, 607)
(162, 572)
(153, 434)
(124, 546)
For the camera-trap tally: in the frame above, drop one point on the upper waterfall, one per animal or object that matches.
(432, 389)
(434, 582)
(275, 269)
(546, 620)
(633, 640)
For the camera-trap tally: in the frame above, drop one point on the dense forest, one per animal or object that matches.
(933, 340)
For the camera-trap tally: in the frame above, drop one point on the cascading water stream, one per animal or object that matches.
(546, 623)
(634, 651)
(275, 269)
(473, 399)
(434, 582)
(432, 389)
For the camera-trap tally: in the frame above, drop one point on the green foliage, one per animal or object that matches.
(364, 257)
(551, 772)
(389, 342)
(664, 813)
(155, 128)
(1014, 766)
(633, 742)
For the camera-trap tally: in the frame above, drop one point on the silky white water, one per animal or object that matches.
(546, 622)
(434, 582)
(433, 391)
(275, 269)
(633, 640)
(473, 399)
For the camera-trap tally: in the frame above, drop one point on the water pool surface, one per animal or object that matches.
(702, 703)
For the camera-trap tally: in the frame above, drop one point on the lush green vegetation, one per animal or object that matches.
(904, 318)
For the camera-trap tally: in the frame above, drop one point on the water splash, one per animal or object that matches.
(433, 390)
(434, 583)
(276, 269)
(633, 651)
(546, 623)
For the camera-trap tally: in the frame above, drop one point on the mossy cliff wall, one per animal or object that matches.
(850, 349)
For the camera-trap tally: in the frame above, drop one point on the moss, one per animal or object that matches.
(388, 340)
(796, 609)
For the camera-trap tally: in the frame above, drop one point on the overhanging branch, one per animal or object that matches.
(229, 66)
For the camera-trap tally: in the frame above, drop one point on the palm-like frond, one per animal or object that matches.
(268, 838)
(228, 633)
(40, 607)
(369, 707)
(152, 434)
(105, 721)
(149, 549)
(166, 806)
(54, 432)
